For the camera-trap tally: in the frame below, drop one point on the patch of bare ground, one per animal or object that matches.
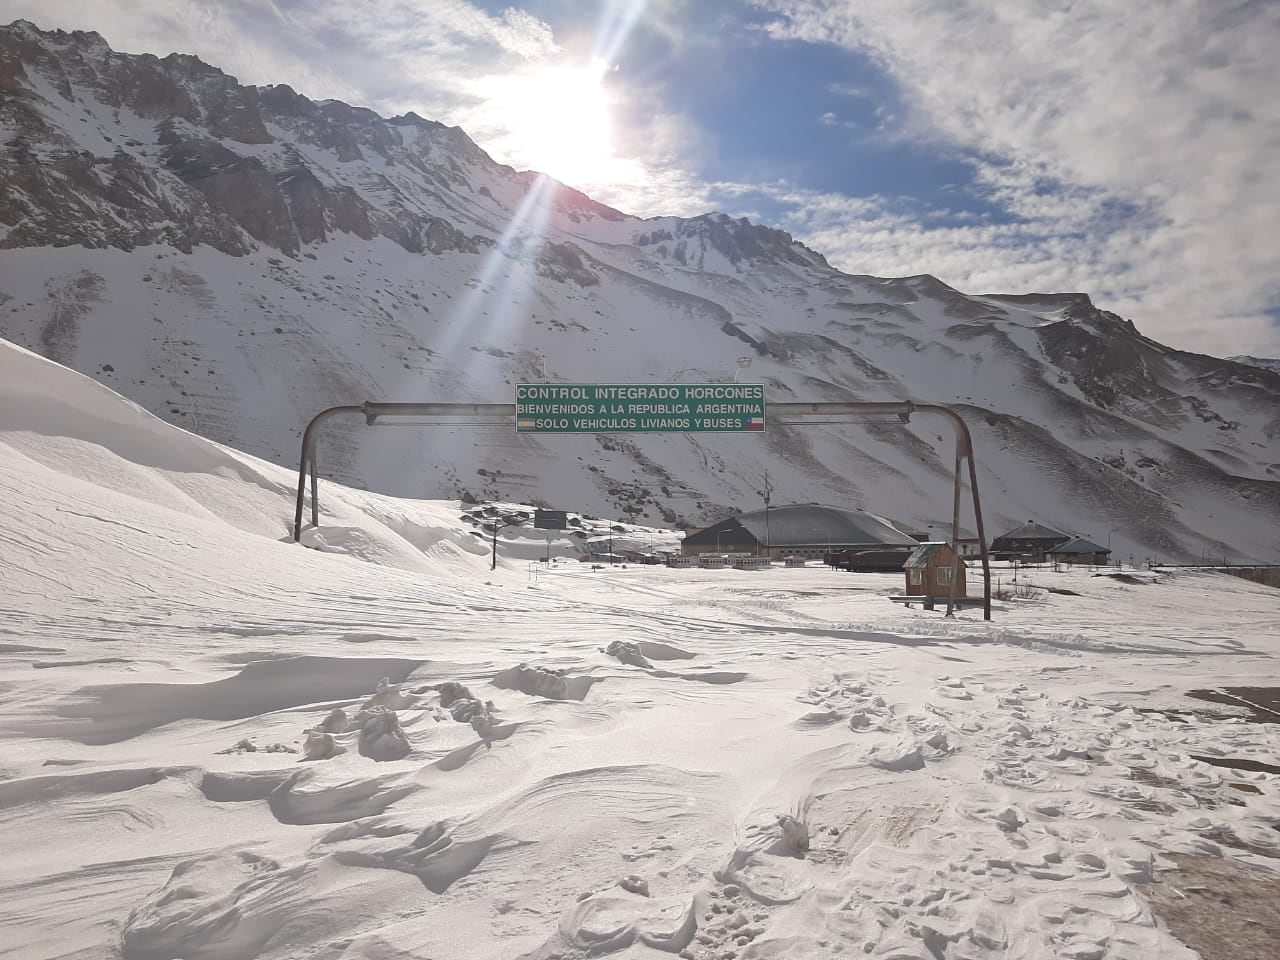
(1262, 703)
(1221, 908)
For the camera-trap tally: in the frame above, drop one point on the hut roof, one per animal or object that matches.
(940, 528)
(925, 552)
(1079, 545)
(1034, 531)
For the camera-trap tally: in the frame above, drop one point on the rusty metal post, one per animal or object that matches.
(315, 500)
(302, 491)
(955, 539)
(982, 535)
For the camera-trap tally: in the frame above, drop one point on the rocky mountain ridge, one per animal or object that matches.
(1262, 363)
(236, 258)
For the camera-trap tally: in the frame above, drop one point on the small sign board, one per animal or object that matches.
(640, 408)
(550, 519)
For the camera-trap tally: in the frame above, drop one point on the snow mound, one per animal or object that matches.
(541, 682)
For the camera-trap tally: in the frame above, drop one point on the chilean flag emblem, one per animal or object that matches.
(755, 423)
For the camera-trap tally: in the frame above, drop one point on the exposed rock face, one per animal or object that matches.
(735, 240)
(237, 258)
(187, 178)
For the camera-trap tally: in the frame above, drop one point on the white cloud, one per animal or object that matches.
(1165, 109)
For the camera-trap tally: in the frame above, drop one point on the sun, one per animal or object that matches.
(556, 120)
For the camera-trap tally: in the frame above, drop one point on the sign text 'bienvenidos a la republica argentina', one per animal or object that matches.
(639, 408)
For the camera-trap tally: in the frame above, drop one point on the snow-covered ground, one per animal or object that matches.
(644, 761)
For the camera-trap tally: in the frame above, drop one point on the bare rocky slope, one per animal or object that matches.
(236, 258)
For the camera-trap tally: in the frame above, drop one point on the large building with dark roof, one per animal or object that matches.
(1032, 541)
(800, 530)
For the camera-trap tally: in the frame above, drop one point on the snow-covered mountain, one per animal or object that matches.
(1262, 363)
(236, 258)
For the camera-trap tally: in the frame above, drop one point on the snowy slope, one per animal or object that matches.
(1270, 364)
(235, 259)
(218, 745)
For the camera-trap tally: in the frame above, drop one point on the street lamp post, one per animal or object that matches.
(768, 494)
(501, 524)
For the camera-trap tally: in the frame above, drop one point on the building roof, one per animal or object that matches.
(925, 552)
(1034, 531)
(1079, 545)
(806, 525)
(932, 530)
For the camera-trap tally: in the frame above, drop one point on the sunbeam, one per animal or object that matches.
(508, 269)
(616, 22)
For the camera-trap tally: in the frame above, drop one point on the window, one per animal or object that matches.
(914, 578)
(944, 576)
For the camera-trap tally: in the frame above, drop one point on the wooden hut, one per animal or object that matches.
(929, 570)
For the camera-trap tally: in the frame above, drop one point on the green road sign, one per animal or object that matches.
(639, 408)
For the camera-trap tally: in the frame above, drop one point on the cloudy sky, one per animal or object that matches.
(1126, 148)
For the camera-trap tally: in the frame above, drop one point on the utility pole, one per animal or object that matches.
(502, 524)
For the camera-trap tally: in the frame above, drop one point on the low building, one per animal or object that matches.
(929, 572)
(855, 560)
(609, 558)
(807, 530)
(1081, 551)
(1031, 541)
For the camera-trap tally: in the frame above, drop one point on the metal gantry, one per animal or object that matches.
(787, 413)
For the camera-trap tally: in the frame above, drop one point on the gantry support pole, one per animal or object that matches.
(789, 413)
(371, 412)
(307, 463)
(797, 413)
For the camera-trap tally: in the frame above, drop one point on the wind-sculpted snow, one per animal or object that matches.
(105, 714)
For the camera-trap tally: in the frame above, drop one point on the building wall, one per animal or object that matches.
(916, 582)
(697, 549)
(945, 561)
(1083, 559)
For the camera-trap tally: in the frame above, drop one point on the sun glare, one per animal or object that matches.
(557, 122)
